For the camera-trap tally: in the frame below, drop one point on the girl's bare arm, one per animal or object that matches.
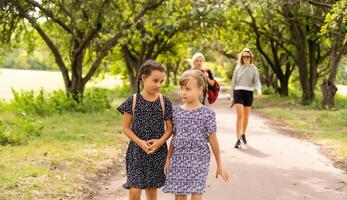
(215, 148)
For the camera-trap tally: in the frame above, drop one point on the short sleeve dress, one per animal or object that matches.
(188, 170)
(146, 171)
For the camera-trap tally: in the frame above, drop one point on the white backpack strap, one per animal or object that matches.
(133, 104)
(162, 103)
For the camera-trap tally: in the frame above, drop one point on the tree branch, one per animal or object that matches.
(50, 44)
(113, 41)
(50, 14)
(320, 4)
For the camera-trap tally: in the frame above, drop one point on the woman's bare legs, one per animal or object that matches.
(239, 120)
(245, 117)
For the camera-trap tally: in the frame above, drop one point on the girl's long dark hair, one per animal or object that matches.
(146, 69)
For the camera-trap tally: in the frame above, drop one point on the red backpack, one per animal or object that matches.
(213, 92)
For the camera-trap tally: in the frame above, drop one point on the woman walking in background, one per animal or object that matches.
(245, 80)
(197, 62)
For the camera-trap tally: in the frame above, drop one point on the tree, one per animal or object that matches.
(335, 28)
(304, 23)
(80, 34)
(271, 42)
(166, 28)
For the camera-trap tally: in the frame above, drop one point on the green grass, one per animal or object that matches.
(327, 127)
(71, 148)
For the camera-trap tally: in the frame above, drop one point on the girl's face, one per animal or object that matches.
(152, 83)
(191, 91)
(246, 58)
(198, 62)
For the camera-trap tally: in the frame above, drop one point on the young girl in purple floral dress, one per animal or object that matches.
(194, 129)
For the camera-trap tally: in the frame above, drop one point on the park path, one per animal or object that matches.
(273, 167)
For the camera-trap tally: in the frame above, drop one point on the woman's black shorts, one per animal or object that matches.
(243, 97)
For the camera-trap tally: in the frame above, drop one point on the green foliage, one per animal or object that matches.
(336, 19)
(94, 100)
(20, 130)
(342, 73)
(167, 90)
(19, 58)
(267, 90)
(72, 146)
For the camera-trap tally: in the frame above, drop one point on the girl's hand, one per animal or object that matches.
(144, 146)
(154, 145)
(220, 171)
(166, 166)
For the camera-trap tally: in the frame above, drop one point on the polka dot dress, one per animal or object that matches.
(146, 171)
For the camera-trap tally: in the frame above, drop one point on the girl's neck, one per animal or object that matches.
(192, 105)
(149, 96)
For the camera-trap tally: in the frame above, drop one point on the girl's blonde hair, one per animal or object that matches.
(195, 56)
(240, 60)
(199, 77)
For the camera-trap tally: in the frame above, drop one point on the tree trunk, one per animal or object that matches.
(329, 91)
(132, 65)
(168, 72)
(175, 72)
(328, 87)
(283, 89)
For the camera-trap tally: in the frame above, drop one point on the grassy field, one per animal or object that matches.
(326, 127)
(72, 147)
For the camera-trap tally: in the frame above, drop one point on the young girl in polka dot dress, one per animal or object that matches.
(194, 129)
(145, 115)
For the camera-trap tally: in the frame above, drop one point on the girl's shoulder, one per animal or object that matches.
(209, 111)
(129, 99)
(203, 109)
(166, 99)
(177, 108)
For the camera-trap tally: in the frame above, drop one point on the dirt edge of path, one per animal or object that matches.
(95, 182)
(285, 129)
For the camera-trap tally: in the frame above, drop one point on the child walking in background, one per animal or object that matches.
(144, 117)
(195, 127)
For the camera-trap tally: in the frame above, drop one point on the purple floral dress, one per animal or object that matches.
(189, 164)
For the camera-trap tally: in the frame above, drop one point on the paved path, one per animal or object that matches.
(273, 167)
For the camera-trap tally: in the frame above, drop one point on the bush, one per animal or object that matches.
(166, 90)
(267, 90)
(20, 130)
(94, 100)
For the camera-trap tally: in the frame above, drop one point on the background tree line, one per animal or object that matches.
(300, 42)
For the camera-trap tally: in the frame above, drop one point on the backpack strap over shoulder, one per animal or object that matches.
(133, 104)
(161, 98)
